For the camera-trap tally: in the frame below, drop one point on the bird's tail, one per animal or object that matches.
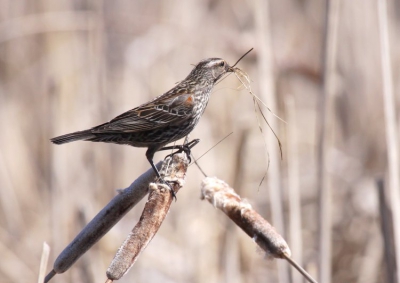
(81, 135)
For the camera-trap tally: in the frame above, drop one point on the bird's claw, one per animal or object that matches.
(186, 148)
(168, 183)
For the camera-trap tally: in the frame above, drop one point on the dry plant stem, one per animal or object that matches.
(386, 221)
(268, 94)
(154, 213)
(46, 23)
(219, 194)
(240, 74)
(300, 269)
(295, 237)
(392, 139)
(325, 139)
(223, 197)
(43, 262)
(103, 222)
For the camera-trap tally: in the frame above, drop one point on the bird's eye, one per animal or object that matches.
(222, 64)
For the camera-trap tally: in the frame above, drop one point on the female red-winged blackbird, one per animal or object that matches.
(165, 119)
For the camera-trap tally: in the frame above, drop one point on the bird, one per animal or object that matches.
(165, 119)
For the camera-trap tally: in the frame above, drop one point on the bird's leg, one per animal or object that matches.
(150, 154)
(188, 146)
(181, 148)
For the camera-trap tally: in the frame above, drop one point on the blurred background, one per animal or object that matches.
(71, 65)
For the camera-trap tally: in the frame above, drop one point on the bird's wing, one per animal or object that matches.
(164, 110)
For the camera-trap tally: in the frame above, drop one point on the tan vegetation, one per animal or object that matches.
(70, 65)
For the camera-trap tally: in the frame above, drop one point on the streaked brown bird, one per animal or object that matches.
(163, 120)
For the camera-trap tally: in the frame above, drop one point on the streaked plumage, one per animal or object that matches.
(163, 120)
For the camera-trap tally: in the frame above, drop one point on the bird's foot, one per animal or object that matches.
(168, 183)
(186, 148)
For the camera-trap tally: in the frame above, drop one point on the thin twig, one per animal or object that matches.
(212, 148)
(198, 166)
(197, 159)
(242, 57)
(240, 73)
(272, 130)
(300, 269)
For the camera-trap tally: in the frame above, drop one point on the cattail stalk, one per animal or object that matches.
(154, 213)
(102, 222)
(223, 197)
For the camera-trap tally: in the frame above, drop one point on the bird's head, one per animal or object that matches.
(210, 70)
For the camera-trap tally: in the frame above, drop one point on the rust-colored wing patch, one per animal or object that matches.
(189, 101)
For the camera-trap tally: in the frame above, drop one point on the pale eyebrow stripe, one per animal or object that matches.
(212, 63)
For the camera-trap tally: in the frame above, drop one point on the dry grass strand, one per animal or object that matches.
(256, 100)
